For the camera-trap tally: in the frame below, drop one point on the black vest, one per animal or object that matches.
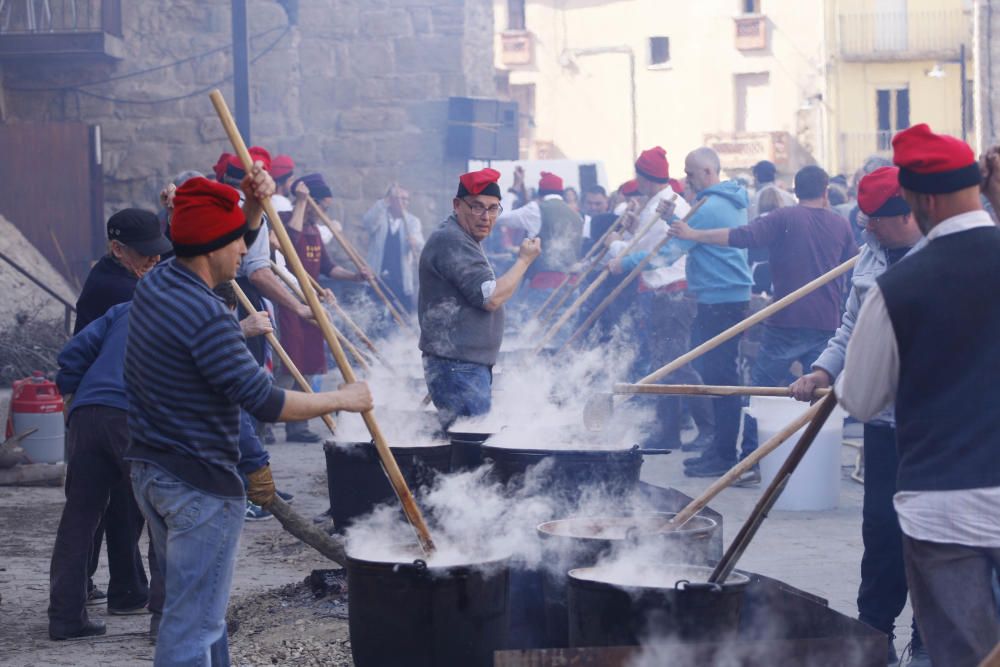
(944, 304)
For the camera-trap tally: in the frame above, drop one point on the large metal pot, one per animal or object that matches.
(419, 615)
(614, 470)
(580, 542)
(357, 483)
(625, 606)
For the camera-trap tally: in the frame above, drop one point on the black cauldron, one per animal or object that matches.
(672, 601)
(426, 616)
(357, 483)
(580, 542)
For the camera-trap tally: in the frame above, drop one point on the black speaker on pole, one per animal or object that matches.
(482, 129)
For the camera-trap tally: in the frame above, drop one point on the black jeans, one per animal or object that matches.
(720, 367)
(882, 593)
(667, 322)
(98, 437)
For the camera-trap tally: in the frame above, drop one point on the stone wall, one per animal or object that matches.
(357, 90)
(986, 71)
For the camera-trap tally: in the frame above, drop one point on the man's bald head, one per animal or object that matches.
(702, 168)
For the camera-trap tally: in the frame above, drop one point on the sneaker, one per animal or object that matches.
(915, 655)
(96, 596)
(256, 513)
(695, 461)
(749, 479)
(90, 629)
(304, 435)
(129, 611)
(712, 467)
(698, 444)
(287, 497)
(324, 517)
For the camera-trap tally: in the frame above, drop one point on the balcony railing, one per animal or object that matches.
(39, 28)
(887, 36)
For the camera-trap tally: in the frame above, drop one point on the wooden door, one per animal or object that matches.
(51, 189)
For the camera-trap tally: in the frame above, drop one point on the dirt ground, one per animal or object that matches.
(279, 621)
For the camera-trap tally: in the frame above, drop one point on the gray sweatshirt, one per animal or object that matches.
(872, 263)
(454, 322)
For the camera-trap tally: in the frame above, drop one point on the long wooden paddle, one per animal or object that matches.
(706, 390)
(770, 496)
(596, 419)
(348, 345)
(358, 331)
(737, 470)
(598, 281)
(589, 265)
(360, 263)
(633, 274)
(410, 508)
(280, 351)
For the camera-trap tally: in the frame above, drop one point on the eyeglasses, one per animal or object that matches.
(478, 209)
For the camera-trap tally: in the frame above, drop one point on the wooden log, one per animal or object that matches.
(305, 530)
(34, 474)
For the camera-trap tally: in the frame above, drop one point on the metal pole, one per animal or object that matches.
(961, 81)
(241, 67)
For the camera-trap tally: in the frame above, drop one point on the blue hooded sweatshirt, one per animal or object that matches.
(715, 274)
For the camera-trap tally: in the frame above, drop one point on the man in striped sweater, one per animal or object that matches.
(187, 373)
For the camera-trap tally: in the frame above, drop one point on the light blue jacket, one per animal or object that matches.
(715, 274)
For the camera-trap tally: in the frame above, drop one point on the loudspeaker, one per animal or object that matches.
(482, 129)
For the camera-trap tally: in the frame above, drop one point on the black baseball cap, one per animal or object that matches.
(139, 230)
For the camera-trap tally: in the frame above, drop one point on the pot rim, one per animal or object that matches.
(735, 581)
(419, 564)
(708, 528)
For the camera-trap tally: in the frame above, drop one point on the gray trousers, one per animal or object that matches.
(951, 590)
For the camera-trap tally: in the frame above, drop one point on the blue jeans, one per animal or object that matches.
(780, 347)
(458, 388)
(195, 537)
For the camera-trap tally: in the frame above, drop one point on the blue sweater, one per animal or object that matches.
(91, 365)
(187, 373)
(715, 274)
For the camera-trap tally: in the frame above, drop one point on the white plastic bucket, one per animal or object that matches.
(815, 484)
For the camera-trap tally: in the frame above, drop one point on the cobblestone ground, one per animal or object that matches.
(816, 551)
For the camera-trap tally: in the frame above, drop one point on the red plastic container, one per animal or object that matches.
(37, 403)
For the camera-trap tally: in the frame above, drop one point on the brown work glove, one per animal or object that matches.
(261, 491)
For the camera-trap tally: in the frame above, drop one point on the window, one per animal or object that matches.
(892, 111)
(515, 15)
(754, 103)
(659, 51)
(750, 6)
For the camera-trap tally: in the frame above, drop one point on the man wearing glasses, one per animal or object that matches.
(460, 304)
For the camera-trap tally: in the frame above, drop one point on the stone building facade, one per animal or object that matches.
(357, 90)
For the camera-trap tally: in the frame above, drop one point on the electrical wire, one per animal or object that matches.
(194, 93)
(127, 75)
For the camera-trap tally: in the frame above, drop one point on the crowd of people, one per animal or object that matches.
(173, 385)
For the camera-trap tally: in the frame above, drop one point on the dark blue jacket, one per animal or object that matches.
(92, 363)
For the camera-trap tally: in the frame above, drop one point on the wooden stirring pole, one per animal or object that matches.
(360, 263)
(598, 281)
(389, 464)
(752, 459)
(633, 274)
(706, 390)
(589, 262)
(358, 331)
(290, 284)
(770, 496)
(280, 351)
